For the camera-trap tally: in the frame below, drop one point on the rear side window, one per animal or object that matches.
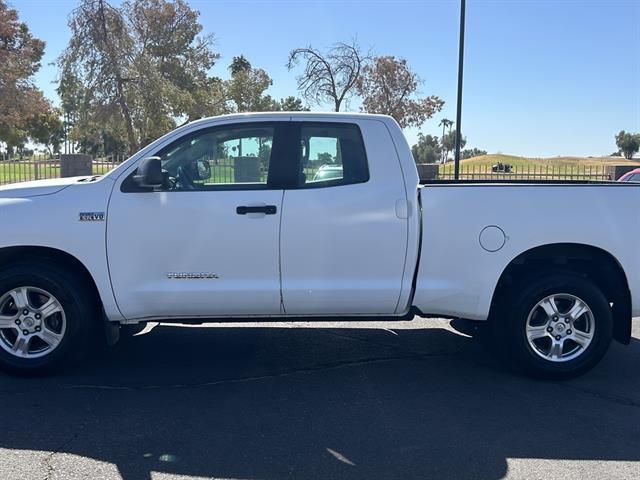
(330, 155)
(634, 178)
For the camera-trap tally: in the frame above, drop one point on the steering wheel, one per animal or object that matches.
(184, 181)
(168, 182)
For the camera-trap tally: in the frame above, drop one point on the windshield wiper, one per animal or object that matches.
(90, 179)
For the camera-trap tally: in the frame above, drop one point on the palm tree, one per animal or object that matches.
(444, 123)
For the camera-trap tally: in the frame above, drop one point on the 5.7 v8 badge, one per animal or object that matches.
(91, 216)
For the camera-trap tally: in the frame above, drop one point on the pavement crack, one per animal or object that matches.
(255, 378)
(388, 345)
(609, 397)
(370, 342)
(48, 460)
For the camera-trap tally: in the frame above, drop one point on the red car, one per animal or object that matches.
(632, 176)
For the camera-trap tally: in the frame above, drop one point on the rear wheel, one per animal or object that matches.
(47, 317)
(555, 326)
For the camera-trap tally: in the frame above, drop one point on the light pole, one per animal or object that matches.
(459, 107)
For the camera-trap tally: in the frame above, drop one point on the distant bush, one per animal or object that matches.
(472, 152)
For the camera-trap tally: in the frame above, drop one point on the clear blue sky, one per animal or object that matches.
(542, 77)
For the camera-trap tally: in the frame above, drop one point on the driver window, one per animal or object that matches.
(218, 158)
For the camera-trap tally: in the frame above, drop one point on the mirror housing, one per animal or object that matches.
(200, 170)
(149, 173)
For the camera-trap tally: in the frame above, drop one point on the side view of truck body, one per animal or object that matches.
(314, 215)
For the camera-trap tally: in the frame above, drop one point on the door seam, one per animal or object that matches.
(282, 307)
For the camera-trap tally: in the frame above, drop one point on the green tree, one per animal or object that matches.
(290, 104)
(325, 158)
(15, 139)
(209, 100)
(444, 123)
(239, 64)
(46, 128)
(449, 143)
(331, 76)
(98, 55)
(388, 86)
(70, 92)
(135, 68)
(247, 86)
(20, 55)
(427, 150)
(628, 143)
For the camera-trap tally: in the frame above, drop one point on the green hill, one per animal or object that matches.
(524, 168)
(493, 158)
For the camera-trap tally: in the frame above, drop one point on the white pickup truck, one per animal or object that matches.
(293, 215)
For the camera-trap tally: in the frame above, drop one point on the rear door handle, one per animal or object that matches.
(266, 209)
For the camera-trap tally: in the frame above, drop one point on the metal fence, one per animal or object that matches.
(41, 168)
(38, 168)
(528, 172)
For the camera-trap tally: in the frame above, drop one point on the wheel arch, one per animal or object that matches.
(9, 255)
(595, 263)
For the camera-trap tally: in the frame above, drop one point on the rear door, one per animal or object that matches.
(344, 225)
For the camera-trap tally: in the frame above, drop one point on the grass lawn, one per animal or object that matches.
(20, 171)
(11, 172)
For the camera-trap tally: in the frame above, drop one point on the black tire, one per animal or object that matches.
(510, 332)
(81, 311)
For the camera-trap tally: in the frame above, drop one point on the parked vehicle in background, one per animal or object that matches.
(218, 219)
(632, 176)
(502, 168)
(328, 172)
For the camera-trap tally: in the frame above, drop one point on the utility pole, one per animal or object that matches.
(459, 108)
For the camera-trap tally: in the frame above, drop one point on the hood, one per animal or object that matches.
(38, 187)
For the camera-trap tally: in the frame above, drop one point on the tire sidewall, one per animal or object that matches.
(534, 291)
(72, 296)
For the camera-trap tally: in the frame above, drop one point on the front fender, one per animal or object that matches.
(53, 221)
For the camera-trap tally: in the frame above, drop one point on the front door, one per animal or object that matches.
(207, 243)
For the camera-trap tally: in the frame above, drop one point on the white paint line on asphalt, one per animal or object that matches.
(150, 326)
(415, 324)
(338, 456)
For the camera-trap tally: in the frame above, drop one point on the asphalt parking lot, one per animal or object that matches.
(414, 400)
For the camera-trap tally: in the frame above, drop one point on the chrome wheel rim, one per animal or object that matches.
(32, 322)
(560, 327)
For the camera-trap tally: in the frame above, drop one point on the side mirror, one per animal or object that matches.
(149, 173)
(200, 170)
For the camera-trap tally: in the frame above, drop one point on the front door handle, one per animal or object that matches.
(266, 209)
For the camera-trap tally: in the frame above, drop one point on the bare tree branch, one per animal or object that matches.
(329, 77)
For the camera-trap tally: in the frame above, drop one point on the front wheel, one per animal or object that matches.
(47, 317)
(555, 326)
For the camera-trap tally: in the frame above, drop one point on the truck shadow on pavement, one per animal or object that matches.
(278, 403)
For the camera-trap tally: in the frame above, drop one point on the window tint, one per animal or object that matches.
(219, 158)
(331, 154)
(634, 178)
